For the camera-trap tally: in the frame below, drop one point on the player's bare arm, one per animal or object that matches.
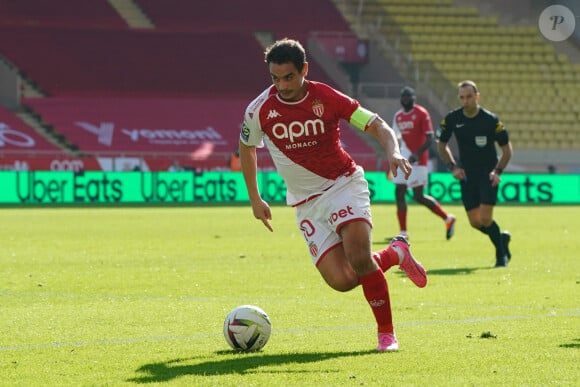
(260, 208)
(449, 160)
(506, 155)
(385, 135)
(428, 141)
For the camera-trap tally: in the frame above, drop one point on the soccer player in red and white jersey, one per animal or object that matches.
(298, 120)
(413, 127)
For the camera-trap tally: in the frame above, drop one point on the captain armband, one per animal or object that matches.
(361, 118)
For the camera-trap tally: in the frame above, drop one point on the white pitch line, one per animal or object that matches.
(23, 347)
(163, 298)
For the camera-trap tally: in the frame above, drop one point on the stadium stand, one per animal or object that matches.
(522, 78)
(60, 13)
(196, 69)
(16, 135)
(164, 127)
(22, 148)
(246, 16)
(133, 62)
(189, 129)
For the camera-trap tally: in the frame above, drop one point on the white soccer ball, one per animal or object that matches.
(247, 328)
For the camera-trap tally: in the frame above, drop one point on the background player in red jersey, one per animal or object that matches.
(414, 129)
(298, 119)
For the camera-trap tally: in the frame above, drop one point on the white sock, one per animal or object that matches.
(399, 253)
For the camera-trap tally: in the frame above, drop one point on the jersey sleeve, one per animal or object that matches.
(251, 133)
(395, 127)
(501, 134)
(426, 124)
(445, 130)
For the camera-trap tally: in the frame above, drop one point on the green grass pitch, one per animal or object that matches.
(126, 296)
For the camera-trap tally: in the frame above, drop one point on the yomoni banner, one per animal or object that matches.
(21, 188)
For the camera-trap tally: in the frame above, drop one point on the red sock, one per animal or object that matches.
(439, 211)
(386, 258)
(376, 292)
(402, 216)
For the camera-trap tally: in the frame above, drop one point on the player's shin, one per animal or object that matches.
(376, 293)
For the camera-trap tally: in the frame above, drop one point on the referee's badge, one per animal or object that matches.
(481, 141)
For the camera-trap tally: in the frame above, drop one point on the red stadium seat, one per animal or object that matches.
(197, 69)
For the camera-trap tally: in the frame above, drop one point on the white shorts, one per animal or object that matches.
(419, 176)
(321, 218)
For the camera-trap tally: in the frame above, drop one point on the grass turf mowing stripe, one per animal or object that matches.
(573, 313)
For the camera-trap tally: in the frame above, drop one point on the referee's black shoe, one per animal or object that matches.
(505, 240)
(501, 261)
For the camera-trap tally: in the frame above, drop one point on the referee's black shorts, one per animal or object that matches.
(476, 189)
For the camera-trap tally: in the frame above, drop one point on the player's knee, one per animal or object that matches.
(486, 221)
(343, 284)
(362, 267)
(345, 287)
(475, 223)
(419, 198)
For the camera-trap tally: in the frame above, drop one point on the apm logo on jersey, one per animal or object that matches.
(295, 132)
(405, 126)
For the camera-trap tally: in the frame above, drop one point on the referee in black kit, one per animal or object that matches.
(476, 132)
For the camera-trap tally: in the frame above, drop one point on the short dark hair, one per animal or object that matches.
(286, 51)
(408, 91)
(468, 83)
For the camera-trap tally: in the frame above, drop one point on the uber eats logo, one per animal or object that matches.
(67, 187)
(22, 187)
(123, 187)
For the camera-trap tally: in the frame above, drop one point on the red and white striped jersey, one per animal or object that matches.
(303, 137)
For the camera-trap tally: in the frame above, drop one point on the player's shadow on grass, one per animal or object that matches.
(455, 271)
(576, 344)
(445, 272)
(243, 363)
(449, 271)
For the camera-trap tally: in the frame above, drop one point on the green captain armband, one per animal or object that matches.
(361, 117)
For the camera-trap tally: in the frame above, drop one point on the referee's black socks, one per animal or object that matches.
(494, 234)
